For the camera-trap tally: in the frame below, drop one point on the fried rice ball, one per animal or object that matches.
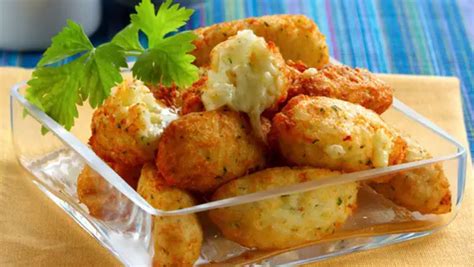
(288, 220)
(297, 37)
(330, 133)
(170, 96)
(246, 74)
(127, 127)
(177, 239)
(173, 97)
(354, 85)
(191, 97)
(424, 189)
(202, 150)
(100, 197)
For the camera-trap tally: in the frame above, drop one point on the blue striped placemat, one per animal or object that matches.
(390, 36)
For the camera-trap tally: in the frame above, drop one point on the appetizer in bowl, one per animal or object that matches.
(230, 110)
(254, 121)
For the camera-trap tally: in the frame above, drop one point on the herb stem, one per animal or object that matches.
(133, 53)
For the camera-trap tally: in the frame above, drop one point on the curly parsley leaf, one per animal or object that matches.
(70, 41)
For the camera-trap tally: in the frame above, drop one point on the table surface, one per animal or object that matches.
(387, 36)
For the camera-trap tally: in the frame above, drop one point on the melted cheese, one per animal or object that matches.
(335, 151)
(245, 75)
(382, 148)
(154, 116)
(310, 72)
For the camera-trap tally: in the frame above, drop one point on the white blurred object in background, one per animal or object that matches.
(30, 24)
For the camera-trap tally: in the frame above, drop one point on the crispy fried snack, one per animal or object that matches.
(330, 133)
(354, 85)
(246, 74)
(202, 150)
(288, 32)
(102, 200)
(170, 96)
(425, 189)
(126, 128)
(177, 239)
(191, 98)
(288, 220)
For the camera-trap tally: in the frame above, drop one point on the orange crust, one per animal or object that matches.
(202, 150)
(286, 31)
(168, 95)
(289, 136)
(354, 85)
(288, 220)
(177, 239)
(125, 149)
(191, 98)
(99, 196)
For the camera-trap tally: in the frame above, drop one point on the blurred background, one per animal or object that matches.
(427, 37)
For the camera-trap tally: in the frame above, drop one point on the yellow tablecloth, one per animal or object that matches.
(33, 231)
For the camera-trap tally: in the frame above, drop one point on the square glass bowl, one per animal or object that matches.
(55, 159)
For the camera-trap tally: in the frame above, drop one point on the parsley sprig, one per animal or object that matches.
(57, 88)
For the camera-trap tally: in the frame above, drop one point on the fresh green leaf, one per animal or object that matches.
(181, 42)
(167, 60)
(163, 66)
(145, 17)
(128, 39)
(44, 130)
(31, 97)
(101, 72)
(70, 41)
(168, 63)
(55, 91)
(169, 18)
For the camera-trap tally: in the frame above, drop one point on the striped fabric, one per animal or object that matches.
(428, 37)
